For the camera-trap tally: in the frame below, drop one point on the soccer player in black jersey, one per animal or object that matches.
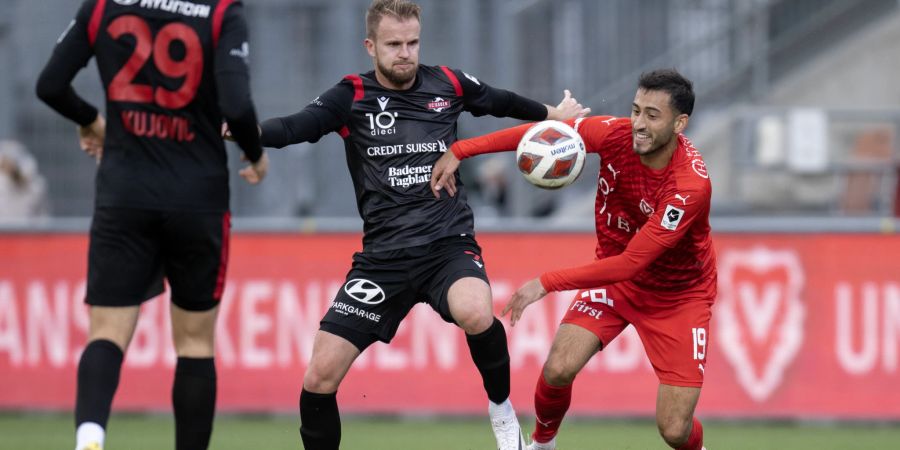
(172, 71)
(396, 121)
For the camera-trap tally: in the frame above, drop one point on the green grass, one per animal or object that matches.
(154, 432)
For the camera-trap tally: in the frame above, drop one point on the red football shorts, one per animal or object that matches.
(673, 329)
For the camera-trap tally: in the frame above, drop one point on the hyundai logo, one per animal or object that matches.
(126, 2)
(364, 291)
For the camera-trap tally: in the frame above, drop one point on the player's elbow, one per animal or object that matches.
(48, 90)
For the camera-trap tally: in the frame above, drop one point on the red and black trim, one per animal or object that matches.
(223, 261)
(96, 18)
(358, 91)
(218, 18)
(453, 80)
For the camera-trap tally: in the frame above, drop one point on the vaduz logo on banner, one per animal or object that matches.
(364, 291)
(760, 315)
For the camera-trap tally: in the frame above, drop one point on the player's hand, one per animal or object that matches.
(255, 172)
(529, 293)
(91, 137)
(568, 108)
(443, 175)
(226, 132)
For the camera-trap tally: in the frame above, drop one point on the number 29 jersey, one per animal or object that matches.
(158, 62)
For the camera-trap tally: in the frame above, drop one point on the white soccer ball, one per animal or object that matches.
(550, 154)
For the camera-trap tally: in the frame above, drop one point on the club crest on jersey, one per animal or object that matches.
(646, 208)
(672, 217)
(438, 104)
(700, 168)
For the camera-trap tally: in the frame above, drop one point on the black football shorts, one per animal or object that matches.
(382, 287)
(132, 250)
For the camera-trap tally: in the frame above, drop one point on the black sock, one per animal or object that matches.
(320, 421)
(98, 379)
(194, 402)
(491, 356)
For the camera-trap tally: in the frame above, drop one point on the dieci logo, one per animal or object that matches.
(760, 316)
(382, 123)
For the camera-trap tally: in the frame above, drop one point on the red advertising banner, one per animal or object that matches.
(805, 326)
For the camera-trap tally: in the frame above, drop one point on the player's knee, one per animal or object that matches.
(556, 373)
(674, 431)
(194, 343)
(320, 380)
(473, 319)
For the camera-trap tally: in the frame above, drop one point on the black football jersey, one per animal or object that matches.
(392, 139)
(158, 61)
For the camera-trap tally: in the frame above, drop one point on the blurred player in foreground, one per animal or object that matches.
(655, 266)
(396, 121)
(172, 71)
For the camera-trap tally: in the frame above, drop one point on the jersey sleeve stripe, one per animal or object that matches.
(218, 18)
(358, 92)
(452, 76)
(96, 18)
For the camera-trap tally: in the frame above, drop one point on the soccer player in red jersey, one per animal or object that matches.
(655, 266)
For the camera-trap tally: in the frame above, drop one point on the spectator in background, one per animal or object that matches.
(23, 192)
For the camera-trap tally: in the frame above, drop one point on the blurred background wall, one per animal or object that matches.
(797, 108)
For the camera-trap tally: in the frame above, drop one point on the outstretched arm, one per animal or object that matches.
(443, 175)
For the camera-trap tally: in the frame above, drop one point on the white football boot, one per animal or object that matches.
(506, 426)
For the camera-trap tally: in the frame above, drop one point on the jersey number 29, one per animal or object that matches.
(123, 89)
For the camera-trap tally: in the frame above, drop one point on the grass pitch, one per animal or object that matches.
(154, 432)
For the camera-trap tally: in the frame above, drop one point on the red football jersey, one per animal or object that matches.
(652, 225)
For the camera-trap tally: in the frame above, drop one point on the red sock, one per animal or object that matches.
(695, 440)
(550, 405)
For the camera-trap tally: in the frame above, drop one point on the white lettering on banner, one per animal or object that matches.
(254, 323)
(225, 353)
(410, 347)
(427, 327)
(47, 324)
(530, 339)
(858, 321)
(10, 332)
(760, 324)
(265, 323)
(294, 319)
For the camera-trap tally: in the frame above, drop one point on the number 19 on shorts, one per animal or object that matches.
(699, 342)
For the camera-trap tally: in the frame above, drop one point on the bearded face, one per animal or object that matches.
(395, 50)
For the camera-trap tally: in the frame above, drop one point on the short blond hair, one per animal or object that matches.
(399, 9)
